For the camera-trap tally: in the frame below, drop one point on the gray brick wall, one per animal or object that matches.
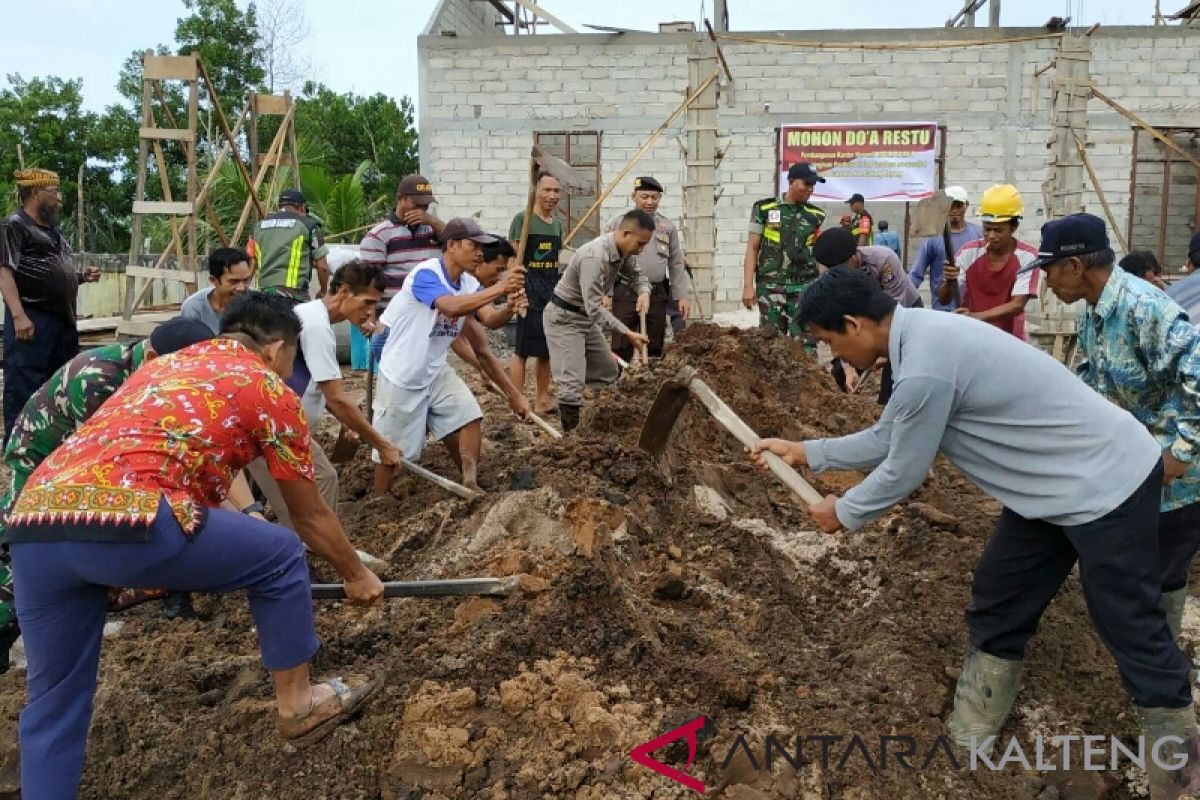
(481, 100)
(463, 18)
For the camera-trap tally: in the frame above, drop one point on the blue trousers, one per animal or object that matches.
(62, 588)
(360, 349)
(27, 365)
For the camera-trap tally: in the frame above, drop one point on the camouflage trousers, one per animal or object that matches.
(779, 308)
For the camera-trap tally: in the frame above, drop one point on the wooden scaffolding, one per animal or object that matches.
(139, 316)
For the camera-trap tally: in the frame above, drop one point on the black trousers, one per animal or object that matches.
(1178, 541)
(29, 364)
(1026, 561)
(624, 308)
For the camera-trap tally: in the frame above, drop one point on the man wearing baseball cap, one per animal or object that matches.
(1079, 480)
(285, 247)
(418, 389)
(779, 264)
(931, 258)
(861, 223)
(1140, 351)
(408, 236)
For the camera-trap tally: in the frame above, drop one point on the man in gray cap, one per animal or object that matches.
(286, 247)
(418, 390)
(576, 317)
(662, 263)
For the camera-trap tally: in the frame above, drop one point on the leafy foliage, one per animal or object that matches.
(353, 150)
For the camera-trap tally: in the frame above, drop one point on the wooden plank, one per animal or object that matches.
(163, 273)
(272, 159)
(169, 68)
(275, 104)
(179, 208)
(174, 134)
(142, 320)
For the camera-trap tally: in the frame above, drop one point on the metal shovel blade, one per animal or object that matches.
(930, 214)
(571, 180)
(668, 404)
(345, 448)
(459, 587)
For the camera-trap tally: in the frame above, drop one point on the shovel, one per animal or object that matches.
(540, 161)
(459, 587)
(931, 218)
(669, 402)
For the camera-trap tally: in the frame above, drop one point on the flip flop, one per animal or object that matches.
(349, 695)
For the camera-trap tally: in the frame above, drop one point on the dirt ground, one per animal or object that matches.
(651, 594)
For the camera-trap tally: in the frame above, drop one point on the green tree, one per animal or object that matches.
(351, 129)
(227, 40)
(45, 117)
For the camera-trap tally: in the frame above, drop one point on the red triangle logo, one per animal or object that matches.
(641, 753)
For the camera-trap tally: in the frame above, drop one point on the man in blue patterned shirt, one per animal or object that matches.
(1143, 354)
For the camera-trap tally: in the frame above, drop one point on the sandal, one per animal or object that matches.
(348, 696)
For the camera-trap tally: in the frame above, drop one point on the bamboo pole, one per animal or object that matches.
(1150, 129)
(224, 123)
(272, 156)
(1087, 164)
(641, 152)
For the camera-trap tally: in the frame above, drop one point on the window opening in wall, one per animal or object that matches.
(1164, 195)
(580, 149)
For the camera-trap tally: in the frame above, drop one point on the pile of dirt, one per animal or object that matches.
(651, 594)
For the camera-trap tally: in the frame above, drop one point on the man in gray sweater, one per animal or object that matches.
(575, 319)
(1079, 479)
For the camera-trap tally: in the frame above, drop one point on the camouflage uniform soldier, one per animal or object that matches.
(779, 262)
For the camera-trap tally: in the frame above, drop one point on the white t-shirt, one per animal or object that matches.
(419, 336)
(316, 358)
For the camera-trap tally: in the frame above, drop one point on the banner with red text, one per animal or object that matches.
(879, 160)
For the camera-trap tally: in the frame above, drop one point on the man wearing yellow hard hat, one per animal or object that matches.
(993, 287)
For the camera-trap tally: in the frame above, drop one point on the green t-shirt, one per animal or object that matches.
(541, 256)
(788, 232)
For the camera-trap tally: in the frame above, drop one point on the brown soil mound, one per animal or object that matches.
(649, 597)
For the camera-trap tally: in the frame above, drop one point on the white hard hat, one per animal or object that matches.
(958, 194)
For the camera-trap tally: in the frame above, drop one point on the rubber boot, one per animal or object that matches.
(568, 416)
(1172, 605)
(1170, 763)
(983, 698)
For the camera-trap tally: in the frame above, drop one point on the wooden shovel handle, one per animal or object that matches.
(743, 433)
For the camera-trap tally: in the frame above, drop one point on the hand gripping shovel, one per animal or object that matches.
(931, 218)
(669, 402)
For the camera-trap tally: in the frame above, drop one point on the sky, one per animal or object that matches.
(369, 46)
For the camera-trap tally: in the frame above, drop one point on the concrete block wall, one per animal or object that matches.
(482, 98)
(458, 18)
